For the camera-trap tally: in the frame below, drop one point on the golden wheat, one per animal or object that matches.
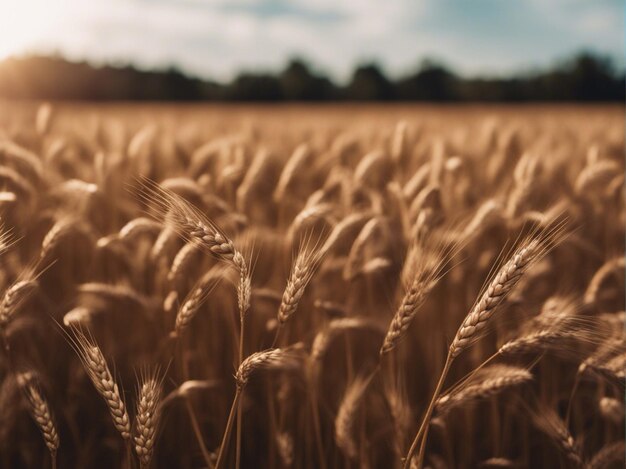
(445, 286)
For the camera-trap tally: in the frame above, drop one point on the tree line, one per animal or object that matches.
(583, 77)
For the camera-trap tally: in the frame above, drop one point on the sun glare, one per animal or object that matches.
(25, 24)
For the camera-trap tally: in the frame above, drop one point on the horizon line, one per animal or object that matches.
(618, 66)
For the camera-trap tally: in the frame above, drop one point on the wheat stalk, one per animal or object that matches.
(530, 250)
(272, 359)
(380, 188)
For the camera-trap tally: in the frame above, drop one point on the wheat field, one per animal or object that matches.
(311, 287)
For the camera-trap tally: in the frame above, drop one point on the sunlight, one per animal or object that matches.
(25, 24)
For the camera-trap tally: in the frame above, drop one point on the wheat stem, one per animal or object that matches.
(570, 402)
(426, 420)
(229, 425)
(198, 433)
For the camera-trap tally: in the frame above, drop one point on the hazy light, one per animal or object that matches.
(26, 24)
(219, 38)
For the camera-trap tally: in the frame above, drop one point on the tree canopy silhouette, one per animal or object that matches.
(369, 84)
(584, 77)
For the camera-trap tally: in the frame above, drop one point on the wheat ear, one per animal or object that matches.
(13, 298)
(549, 423)
(195, 299)
(191, 224)
(490, 382)
(302, 271)
(40, 410)
(147, 418)
(276, 359)
(325, 337)
(506, 278)
(346, 417)
(98, 371)
(426, 274)
(611, 267)
(530, 251)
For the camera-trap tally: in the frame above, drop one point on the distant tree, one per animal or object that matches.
(255, 87)
(584, 77)
(369, 84)
(592, 78)
(180, 87)
(299, 84)
(432, 82)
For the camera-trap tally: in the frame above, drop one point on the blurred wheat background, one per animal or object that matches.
(312, 287)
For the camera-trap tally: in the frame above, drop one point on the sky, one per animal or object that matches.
(220, 38)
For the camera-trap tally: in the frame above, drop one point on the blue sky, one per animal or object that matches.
(219, 38)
